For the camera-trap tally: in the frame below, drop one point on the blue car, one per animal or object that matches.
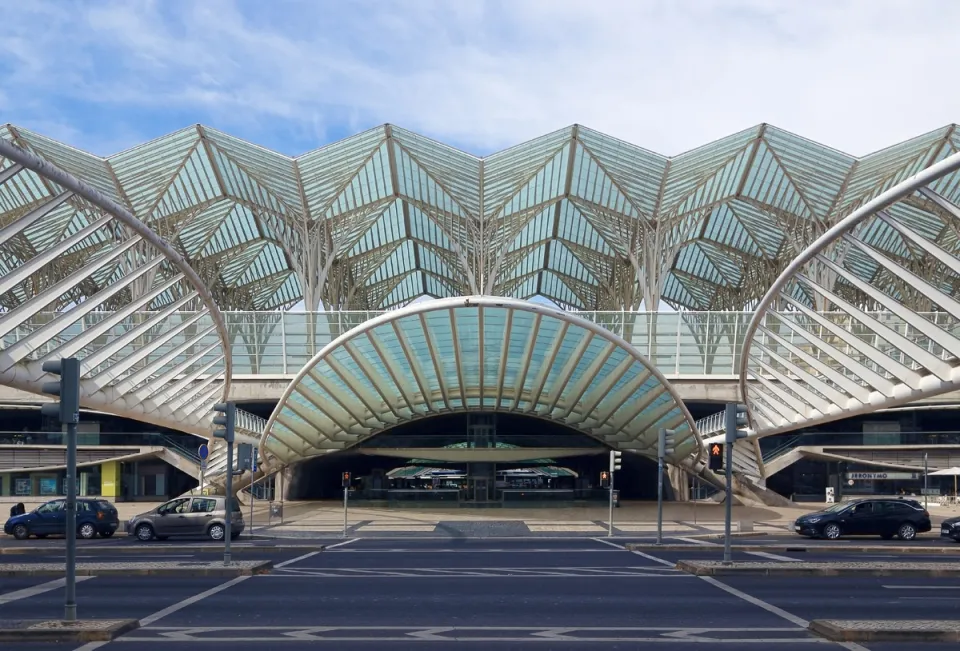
(94, 516)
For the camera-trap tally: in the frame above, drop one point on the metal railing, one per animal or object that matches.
(680, 344)
(182, 450)
(784, 447)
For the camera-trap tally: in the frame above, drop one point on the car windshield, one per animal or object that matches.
(836, 508)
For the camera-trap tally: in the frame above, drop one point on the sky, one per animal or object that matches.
(481, 75)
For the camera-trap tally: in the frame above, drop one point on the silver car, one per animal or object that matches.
(188, 516)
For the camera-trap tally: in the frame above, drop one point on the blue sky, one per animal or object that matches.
(292, 75)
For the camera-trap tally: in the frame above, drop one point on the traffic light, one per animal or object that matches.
(615, 460)
(67, 388)
(226, 418)
(346, 480)
(716, 456)
(604, 479)
(666, 440)
(736, 422)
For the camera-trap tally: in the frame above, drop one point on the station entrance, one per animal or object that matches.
(475, 460)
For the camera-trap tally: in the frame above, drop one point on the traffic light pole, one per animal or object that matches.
(735, 416)
(67, 411)
(659, 500)
(228, 534)
(610, 521)
(70, 588)
(345, 493)
(728, 471)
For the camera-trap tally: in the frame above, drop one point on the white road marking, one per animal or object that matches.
(608, 542)
(641, 554)
(341, 544)
(433, 550)
(34, 590)
(922, 587)
(180, 605)
(760, 603)
(448, 634)
(297, 559)
(169, 610)
(774, 557)
(696, 541)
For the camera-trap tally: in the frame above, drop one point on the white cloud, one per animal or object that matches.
(668, 75)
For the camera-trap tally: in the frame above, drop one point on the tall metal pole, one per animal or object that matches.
(70, 601)
(345, 489)
(659, 500)
(728, 471)
(925, 469)
(227, 534)
(253, 454)
(610, 521)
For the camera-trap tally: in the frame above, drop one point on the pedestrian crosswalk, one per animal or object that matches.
(479, 572)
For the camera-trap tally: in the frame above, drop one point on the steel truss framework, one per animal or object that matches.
(588, 221)
(477, 354)
(892, 335)
(82, 277)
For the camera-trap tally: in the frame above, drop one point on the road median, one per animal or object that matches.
(159, 549)
(901, 550)
(802, 568)
(78, 632)
(156, 568)
(847, 630)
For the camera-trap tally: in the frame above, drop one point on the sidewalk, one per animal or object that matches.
(631, 517)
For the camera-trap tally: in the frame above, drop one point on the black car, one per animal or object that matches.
(866, 517)
(94, 516)
(950, 528)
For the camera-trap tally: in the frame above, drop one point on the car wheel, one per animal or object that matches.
(86, 531)
(907, 531)
(20, 532)
(831, 531)
(144, 532)
(216, 532)
(106, 534)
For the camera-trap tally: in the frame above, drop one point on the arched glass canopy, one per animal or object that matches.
(867, 317)
(477, 353)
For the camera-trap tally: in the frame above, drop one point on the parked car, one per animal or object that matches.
(866, 517)
(950, 528)
(94, 516)
(188, 516)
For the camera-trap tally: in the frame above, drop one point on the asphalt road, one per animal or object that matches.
(480, 594)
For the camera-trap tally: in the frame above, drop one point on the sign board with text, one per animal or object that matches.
(881, 476)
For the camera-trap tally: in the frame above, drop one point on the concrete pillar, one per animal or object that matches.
(110, 479)
(680, 482)
(5, 484)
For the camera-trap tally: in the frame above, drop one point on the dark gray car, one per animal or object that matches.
(188, 516)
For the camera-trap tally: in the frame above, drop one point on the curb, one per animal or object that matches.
(259, 567)
(891, 631)
(698, 568)
(80, 632)
(156, 550)
(733, 534)
(824, 549)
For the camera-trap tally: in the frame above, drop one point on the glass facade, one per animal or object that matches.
(448, 357)
(564, 216)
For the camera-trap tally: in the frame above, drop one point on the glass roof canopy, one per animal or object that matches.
(586, 220)
(477, 353)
